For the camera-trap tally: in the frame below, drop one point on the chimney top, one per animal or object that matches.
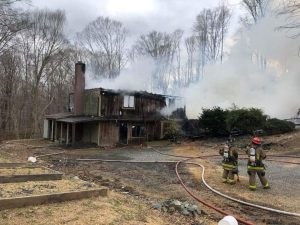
(80, 65)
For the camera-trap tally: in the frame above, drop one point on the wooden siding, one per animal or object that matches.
(90, 133)
(91, 102)
(153, 130)
(112, 105)
(109, 133)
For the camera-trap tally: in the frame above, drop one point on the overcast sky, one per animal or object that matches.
(138, 16)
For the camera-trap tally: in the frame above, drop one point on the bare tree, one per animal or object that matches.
(291, 11)
(201, 33)
(162, 48)
(11, 22)
(43, 41)
(177, 75)
(105, 39)
(224, 18)
(154, 44)
(190, 45)
(60, 82)
(36, 72)
(9, 85)
(210, 29)
(257, 9)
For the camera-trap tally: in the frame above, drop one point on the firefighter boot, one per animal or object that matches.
(231, 177)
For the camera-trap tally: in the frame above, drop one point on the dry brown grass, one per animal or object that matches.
(43, 187)
(113, 210)
(240, 190)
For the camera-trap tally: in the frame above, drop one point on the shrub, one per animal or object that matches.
(245, 120)
(277, 126)
(214, 121)
(172, 130)
(219, 122)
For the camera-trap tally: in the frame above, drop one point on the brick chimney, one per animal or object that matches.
(79, 88)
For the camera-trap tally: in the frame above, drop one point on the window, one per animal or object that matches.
(128, 101)
(138, 131)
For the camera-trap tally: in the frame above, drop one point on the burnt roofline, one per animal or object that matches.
(144, 93)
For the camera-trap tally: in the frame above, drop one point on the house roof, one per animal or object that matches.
(57, 116)
(86, 119)
(79, 119)
(132, 92)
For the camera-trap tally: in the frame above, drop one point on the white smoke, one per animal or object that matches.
(137, 77)
(241, 81)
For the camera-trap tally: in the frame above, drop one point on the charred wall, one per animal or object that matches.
(108, 133)
(100, 103)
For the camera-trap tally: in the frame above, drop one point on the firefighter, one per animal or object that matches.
(229, 163)
(255, 164)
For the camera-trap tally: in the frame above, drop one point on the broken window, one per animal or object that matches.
(128, 101)
(138, 131)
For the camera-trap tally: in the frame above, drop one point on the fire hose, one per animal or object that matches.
(235, 199)
(221, 194)
(241, 220)
(205, 183)
(179, 178)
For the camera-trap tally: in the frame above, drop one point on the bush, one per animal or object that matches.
(172, 131)
(219, 122)
(277, 126)
(245, 120)
(214, 121)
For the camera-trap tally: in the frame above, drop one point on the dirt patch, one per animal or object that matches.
(147, 184)
(43, 187)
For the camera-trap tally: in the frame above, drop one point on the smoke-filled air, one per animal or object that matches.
(135, 78)
(261, 69)
(212, 53)
(244, 81)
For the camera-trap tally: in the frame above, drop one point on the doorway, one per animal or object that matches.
(123, 133)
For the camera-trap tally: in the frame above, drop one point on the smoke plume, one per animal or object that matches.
(244, 79)
(262, 70)
(137, 77)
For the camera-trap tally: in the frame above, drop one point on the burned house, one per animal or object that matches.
(109, 117)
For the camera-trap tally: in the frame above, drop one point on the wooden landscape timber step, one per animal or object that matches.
(14, 165)
(50, 175)
(18, 202)
(31, 177)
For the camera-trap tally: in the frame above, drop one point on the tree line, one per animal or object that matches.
(37, 58)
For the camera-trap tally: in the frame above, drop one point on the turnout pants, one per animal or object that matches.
(261, 176)
(228, 176)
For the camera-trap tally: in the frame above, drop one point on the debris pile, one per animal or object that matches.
(174, 205)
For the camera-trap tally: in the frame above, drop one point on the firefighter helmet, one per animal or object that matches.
(256, 141)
